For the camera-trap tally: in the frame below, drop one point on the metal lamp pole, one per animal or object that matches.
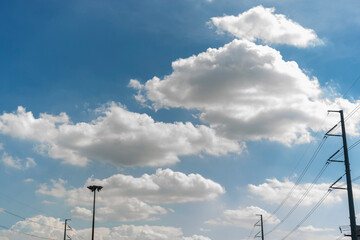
(93, 188)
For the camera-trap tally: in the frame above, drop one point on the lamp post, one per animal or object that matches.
(93, 188)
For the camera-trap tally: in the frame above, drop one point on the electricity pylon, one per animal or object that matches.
(348, 175)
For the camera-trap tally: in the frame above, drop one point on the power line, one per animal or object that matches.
(340, 153)
(29, 220)
(309, 214)
(24, 233)
(346, 118)
(74, 232)
(352, 85)
(302, 197)
(357, 107)
(251, 232)
(20, 202)
(300, 177)
(26, 219)
(308, 147)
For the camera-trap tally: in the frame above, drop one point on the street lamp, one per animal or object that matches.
(93, 188)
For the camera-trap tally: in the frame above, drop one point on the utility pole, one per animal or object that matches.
(93, 188)
(348, 177)
(261, 225)
(66, 227)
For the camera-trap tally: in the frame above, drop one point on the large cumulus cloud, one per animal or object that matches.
(247, 92)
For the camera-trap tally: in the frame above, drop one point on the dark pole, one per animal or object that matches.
(93, 220)
(348, 180)
(262, 227)
(65, 228)
(93, 189)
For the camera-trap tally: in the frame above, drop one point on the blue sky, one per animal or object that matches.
(194, 115)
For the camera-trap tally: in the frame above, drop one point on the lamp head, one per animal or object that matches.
(94, 187)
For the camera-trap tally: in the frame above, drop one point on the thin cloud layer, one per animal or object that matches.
(117, 136)
(126, 198)
(244, 217)
(247, 92)
(311, 228)
(261, 23)
(307, 234)
(53, 228)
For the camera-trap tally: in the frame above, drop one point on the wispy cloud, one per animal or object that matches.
(17, 163)
(56, 190)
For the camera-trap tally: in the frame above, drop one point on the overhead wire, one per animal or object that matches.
(20, 202)
(320, 145)
(251, 232)
(75, 232)
(26, 219)
(355, 179)
(309, 214)
(338, 154)
(24, 233)
(301, 199)
(310, 162)
(344, 95)
(351, 86)
(337, 125)
(308, 147)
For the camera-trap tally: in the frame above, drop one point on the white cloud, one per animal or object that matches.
(1, 146)
(128, 232)
(307, 235)
(29, 180)
(126, 198)
(244, 217)
(116, 136)
(196, 237)
(17, 163)
(56, 190)
(41, 226)
(123, 210)
(80, 212)
(30, 162)
(48, 202)
(165, 186)
(205, 230)
(311, 228)
(274, 191)
(261, 23)
(248, 92)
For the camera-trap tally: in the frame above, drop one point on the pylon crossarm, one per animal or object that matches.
(337, 181)
(328, 132)
(329, 159)
(335, 161)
